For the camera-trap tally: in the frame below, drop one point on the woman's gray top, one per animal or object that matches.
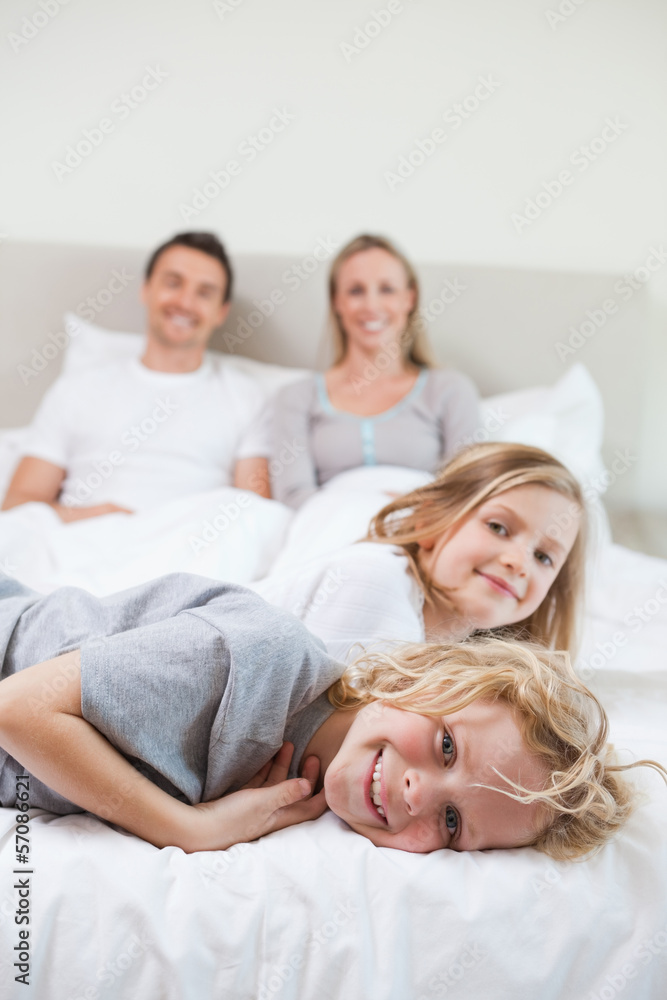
(313, 441)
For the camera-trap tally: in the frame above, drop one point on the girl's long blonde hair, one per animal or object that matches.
(414, 341)
(585, 799)
(472, 477)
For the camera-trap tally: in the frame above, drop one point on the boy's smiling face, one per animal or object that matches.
(422, 771)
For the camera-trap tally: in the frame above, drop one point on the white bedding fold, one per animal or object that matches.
(226, 534)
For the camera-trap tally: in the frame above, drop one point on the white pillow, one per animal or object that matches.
(566, 420)
(92, 346)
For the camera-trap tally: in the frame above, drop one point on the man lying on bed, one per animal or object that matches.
(139, 433)
(185, 710)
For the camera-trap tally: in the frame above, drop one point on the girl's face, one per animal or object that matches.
(499, 563)
(408, 781)
(373, 300)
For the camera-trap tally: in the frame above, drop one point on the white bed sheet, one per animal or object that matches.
(226, 534)
(317, 911)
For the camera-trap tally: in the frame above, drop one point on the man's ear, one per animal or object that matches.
(223, 313)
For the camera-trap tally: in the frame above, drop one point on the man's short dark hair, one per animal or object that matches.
(204, 242)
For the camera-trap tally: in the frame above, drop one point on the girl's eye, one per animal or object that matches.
(544, 558)
(447, 746)
(451, 820)
(497, 528)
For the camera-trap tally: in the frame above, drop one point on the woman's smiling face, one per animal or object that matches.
(498, 564)
(409, 781)
(373, 299)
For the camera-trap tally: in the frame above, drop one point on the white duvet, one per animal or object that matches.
(226, 534)
(317, 911)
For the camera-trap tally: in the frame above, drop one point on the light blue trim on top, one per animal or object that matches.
(367, 424)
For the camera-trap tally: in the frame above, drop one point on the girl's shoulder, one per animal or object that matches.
(363, 562)
(372, 554)
(376, 565)
(382, 576)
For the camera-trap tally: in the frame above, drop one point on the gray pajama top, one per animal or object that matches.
(196, 682)
(313, 441)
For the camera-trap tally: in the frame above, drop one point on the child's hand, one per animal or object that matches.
(270, 801)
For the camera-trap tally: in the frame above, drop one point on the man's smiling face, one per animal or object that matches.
(184, 298)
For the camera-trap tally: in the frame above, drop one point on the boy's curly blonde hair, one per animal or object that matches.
(472, 477)
(562, 723)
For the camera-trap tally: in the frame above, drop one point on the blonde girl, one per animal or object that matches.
(496, 541)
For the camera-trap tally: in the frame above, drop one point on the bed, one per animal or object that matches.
(316, 910)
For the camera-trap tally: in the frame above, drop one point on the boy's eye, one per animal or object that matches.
(451, 820)
(447, 745)
(545, 559)
(497, 528)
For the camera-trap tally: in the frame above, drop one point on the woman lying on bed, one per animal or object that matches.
(382, 402)
(497, 540)
(166, 709)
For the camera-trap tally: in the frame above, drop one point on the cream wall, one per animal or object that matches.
(555, 71)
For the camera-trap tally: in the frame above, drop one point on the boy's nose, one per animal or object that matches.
(418, 792)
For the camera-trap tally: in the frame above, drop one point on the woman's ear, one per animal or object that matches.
(427, 543)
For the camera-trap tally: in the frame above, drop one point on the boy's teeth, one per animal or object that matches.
(376, 786)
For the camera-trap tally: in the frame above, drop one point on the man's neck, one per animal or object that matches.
(177, 361)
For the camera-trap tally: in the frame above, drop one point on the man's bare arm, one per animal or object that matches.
(39, 481)
(253, 474)
(35, 479)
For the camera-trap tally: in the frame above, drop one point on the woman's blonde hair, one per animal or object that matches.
(474, 476)
(413, 340)
(585, 800)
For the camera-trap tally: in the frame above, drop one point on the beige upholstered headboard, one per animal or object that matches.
(506, 328)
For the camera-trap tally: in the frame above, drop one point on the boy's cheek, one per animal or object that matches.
(335, 791)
